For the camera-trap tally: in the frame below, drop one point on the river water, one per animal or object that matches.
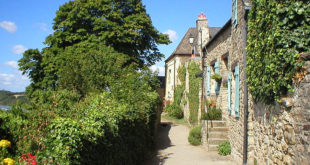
(5, 107)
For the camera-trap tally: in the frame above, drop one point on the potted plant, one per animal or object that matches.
(217, 77)
(225, 82)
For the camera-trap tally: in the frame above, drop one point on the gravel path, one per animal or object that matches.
(174, 149)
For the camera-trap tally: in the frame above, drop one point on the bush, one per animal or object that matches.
(194, 137)
(224, 148)
(174, 110)
(213, 114)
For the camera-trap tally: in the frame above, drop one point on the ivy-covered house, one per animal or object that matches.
(189, 49)
(260, 131)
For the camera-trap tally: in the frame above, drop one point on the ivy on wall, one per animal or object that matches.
(174, 109)
(278, 32)
(193, 95)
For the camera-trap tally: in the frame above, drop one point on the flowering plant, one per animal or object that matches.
(29, 159)
(8, 161)
(4, 144)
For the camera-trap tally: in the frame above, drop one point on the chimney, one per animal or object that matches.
(202, 31)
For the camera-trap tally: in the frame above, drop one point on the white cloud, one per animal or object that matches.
(172, 35)
(8, 26)
(12, 64)
(159, 69)
(6, 79)
(43, 26)
(15, 81)
(19, 49)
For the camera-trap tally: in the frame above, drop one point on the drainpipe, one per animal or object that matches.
(245, 87)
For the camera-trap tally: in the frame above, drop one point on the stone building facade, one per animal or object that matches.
(273, 134)
(189, 47)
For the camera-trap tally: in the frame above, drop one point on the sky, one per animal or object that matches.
(24, 24)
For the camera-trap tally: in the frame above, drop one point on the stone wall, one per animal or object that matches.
(216, 51)
(230, 43)
(280, 134)
(235, 124)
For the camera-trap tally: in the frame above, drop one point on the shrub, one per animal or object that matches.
(174, 110)
(213, 114)
(119, 131)
(224, 148)
(194, 137)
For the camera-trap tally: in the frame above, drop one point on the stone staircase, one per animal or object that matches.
(217, 133)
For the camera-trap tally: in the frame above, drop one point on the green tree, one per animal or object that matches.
(121, 28)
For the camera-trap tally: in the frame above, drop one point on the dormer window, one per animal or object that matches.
(191, 39)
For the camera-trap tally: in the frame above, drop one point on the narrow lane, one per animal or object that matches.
(174, 149)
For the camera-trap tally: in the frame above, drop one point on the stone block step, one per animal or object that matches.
(216, 134)
(212, 147)
(216, 141)
(218, 129)
(217, 123)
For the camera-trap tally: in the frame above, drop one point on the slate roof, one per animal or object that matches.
(184, 47)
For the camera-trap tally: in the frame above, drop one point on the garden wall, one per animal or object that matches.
(280, 134)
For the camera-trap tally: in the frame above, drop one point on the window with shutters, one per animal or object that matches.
(208, 80)
(235, 12)
(229, 79)
(237, 88)
(217, 71)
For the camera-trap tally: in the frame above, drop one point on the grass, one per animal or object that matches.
(178, 121)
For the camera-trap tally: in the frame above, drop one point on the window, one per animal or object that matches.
(208, 78)
(169, 76)
(229, 92)
(235, 12)
(237, 88)
(217, 71)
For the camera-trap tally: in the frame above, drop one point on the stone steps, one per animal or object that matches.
(218, 129)
(217, 123)
(212, 147)
(216, 141)
(217, 133)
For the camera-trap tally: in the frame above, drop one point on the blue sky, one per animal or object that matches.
(24, 24)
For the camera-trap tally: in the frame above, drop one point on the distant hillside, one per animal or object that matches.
(8, 98)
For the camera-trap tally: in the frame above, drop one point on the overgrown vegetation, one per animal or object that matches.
(194, 136)
(193, 94)
(213, 113)
(92, 98)
(174, 109)
(59, 127)
(224, 148)
(278, 32)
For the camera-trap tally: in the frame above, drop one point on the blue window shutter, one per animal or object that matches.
(235, 12)
(217, 71)
(208, 80)
(237, 91)
(229, 93)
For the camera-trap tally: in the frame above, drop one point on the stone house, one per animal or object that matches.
(189, 47)
(258, 134)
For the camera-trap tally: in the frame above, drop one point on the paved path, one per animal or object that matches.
(174, 149)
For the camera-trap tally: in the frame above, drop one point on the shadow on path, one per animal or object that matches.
(162, 142)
